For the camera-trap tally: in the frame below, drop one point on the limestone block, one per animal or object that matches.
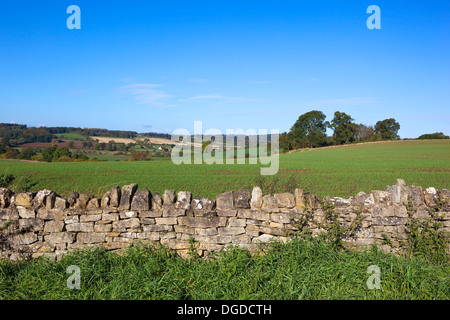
(72, 198)
(90, 218)
(94, 203)
(203, 222)
(82, 201)
(240, 239)
(43, 199)
(231, 230)
(61, 203)
(415, 194)
(115, 196)
(273, 231)
(341, 202)
(71, 219)
(114, 245)
(168, 221)
(281, 217)
(110, 216)
(398, 192)
(54, 226)
(51, 214)
(24, 199)
(206, 204)
(151, 214)
(312, 201)
(92, 237)
(169, 198)
(169, 235)
(184, 229)
(80, 227)
(269, 204)
(26, 213)
(157, 228)
(105, 202)
(183, 200)
(225, 201)
(157, 202)
(444, 195)
(202, 207)
(431, 190)
(254, 222)
(128, 214)
(363, 199)
(172, 212)
(389, 221)
(8, 214)
(299, 199)
(252, 214)
(175, 244)
(242, 199)
(205, 232)
(60, 237)
(141, 200)
(237, 222)
(147, 220)
(211, 247)
(382, 197)
(421, 214)
(127, 223)
(284, 200)
(226, 213)
(204, 213)
(127, 194)
(264, 238)
(256, 200)
(102, 227)
(33, 224)
(430, 197)
(5, 197)
(24, 238)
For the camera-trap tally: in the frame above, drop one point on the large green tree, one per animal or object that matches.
(387, 129)
(344, 128)
(309, 130)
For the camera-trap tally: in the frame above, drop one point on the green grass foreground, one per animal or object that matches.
(339, 171)
(298, 269)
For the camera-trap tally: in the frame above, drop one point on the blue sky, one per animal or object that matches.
(161, 65)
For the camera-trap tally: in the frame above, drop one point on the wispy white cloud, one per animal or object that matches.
(145, 93)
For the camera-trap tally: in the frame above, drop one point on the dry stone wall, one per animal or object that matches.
(45, 224)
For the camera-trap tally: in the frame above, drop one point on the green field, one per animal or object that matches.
(71, 136)
(339, 171)
(298, 269)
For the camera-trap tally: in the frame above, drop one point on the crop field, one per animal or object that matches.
(70, 136)
(339, 171)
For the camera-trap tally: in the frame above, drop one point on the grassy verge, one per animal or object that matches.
(296, 270)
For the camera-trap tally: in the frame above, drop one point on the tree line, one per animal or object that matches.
(310, 131)
(14, 135)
